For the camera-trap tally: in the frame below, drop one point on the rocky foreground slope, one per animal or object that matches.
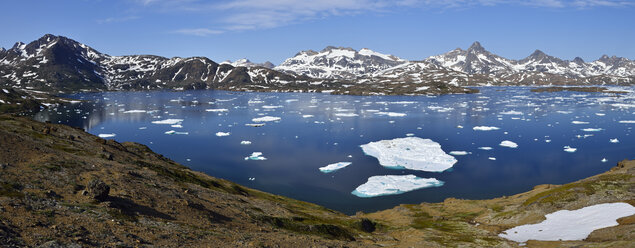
(60, 186)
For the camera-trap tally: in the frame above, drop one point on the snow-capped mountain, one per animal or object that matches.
(538, 68)
(339, 63)
(59, 63)
(246, 63)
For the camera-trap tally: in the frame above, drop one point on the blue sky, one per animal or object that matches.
(276, 29)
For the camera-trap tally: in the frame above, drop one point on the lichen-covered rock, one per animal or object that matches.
(98, 190)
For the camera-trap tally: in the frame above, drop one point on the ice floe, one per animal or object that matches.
(412, 153)
(570, 149)
(217, 110)
(255, 156)
(392, 185)
(222, 134)
(254, 124)
(627, 122)
(245, 142)
(511, 112)
(346, 114)
(571, 224)
(458, 153)
(175, 132)
(333, 167)
(266, 119)
(592, 129)
(485, 128)
(134, 111)
(507, 143)
(614, 140)
(486, 148)
(391, 114)
(168, 121)
(579, 122)
(106, 135)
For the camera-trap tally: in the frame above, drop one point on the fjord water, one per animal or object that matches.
(320, 129)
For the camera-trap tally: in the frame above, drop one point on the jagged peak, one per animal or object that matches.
(578, 60)
(306, 52)
(476, 47)
(331, 48)
(537, 53)
(18, 45)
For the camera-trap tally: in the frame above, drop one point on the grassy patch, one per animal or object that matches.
(569, 192)
(11, 190)
(296, 225)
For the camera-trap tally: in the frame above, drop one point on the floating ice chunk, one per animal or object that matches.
(486, 148)
(252, 179)
(507, 143)
(571, 225)
(106, 135)
(271, 107)
(168, 121)
(391, 114)
(592, 129)
(392, 185)
(143, 128)
(600, 114)
(175, 132)
(412, 153)
(245, 142)
(604, 160)
(511, 112)
(177, 126)
(563, 112)
(410, 134)
(217, 110)
(485, 128)
(307, 116)
(265, 119)
(614, 140)
(628, 122)
(579, 122)
(134, 111)
(222, 134)
(346, 114)
(492, 158)
(570, 149)
(254, 124)
(255, 156)
(459, 126)
(458, 153)
(333, 167)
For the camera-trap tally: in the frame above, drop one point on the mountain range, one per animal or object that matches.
(56, 63)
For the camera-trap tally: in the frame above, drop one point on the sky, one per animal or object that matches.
(273, 30)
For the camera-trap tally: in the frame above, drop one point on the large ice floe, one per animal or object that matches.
(393, 185)
(485, 128)
(265, 119)
(507, 143)
(571, 225)
(412, 153)
(255, 156)
(168, 121)
(333, 167)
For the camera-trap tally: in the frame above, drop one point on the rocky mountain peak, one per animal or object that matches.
(578, 60)
(306, 52)
(331, 48)
(476, 47)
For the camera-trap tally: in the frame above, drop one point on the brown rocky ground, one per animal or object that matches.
(63, 187)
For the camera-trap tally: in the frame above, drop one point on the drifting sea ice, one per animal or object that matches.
(458, 153)
(485, 128)
(579, 122)
(628, 122)
(614, 140)
(245, 142)
(134, 111)
(507, 143)
(571, 225)
(412, 153)
(511, 112)
(106, 135)
(168, 121)
(266, 119)
(333, 167)
(346, 114)
(392, 185)
(222, 134)
(570, 149)
(391, 114)
(175, 132)
(486, 148)
(592, 129)
(217, 110)
(255, 156)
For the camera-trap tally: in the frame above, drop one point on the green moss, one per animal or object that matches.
(569, 192)
(497, 208)
(296, 225)
(121, 215)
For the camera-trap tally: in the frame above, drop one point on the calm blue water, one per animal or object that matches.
(295, 147)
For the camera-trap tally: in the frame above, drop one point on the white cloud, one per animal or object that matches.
(199, 31)
(117, 19)
(262, 14)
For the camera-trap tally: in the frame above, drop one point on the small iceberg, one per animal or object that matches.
(458, 153)
(333, 167)
(222, 134)
(511, 112)
(168, 121)
(570, 149)
(346, 114)
(492, 158)
(486, 148)
(510, 144)
(627, 122)
(393, 185)
(579, 122)
(411, 153)
(307, 116)
(217, 110)
(391, 114)
(265, 119)
(134, 111)
(255, 156)
(175, 132)
(245, 142)
(571, 225)
(614, 140)
(106, 135)
(254, 124)
(604, 160)
(592, 129)
(485, 128)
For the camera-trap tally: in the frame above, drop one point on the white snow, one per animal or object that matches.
(392, 185)
(571, 225)
(5, 91)
(265, 119)
(412, 153)
(222, 134)
(255, 156)
(485, 128)
(106, 135)
(333, 167)
(168, 121)
(507, 143)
